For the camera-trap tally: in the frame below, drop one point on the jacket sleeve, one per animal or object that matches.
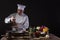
(7, 19)
(26, 23)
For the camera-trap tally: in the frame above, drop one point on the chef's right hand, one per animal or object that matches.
(12, 19)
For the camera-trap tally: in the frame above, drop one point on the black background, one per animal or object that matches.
(40, 12)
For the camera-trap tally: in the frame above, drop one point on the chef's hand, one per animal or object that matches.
(24, 30)
(12, 19)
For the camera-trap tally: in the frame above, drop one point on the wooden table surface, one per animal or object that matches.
(52, 37)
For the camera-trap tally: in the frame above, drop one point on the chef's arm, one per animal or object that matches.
(8, 19)
(26, 24)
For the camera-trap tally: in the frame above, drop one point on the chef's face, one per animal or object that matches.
(19, 11)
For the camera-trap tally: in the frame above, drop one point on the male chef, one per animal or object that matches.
(19, 19)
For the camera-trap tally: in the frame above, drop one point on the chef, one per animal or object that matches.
(20, 20)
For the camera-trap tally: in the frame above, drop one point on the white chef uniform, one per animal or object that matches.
(21, 20)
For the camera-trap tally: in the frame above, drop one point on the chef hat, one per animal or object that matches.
(21, 7)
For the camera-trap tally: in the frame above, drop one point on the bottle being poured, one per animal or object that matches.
(14, 24)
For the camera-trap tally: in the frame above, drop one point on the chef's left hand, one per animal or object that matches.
(24, 30)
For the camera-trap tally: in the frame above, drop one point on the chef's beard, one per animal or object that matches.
(20, 13)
